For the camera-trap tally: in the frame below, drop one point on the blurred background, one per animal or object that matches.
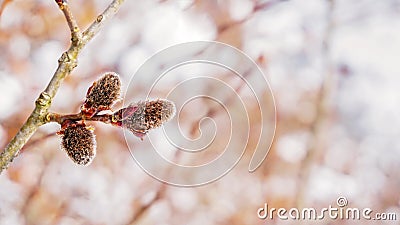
(332, 66)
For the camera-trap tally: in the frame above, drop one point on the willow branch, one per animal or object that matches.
(38, 140)
(323, 113)
(3, 6)
(58, 118)
(143, 208)
(76, 35)
(66, 63)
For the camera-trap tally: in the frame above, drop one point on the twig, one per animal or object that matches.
(76, 35)
(66, 63)
(94, 28)
(38, 140)
(32, 192)
(58, 118)
(259, 6)
(214, 110)
(143, 208)
(3, 6)
(322, 115)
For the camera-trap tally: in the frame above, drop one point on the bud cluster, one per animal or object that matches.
(78, 139)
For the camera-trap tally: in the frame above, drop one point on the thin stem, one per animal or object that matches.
(38, 140)
(76, 35)
(259, 6)
(109, 12)
(143, 208)
(66, 63)
(58, 118)
(3, 6)
(323, 115)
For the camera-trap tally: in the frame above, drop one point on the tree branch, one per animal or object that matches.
(323, 114)
(143, 208)
(3, 6)
(76, 35)
(66, 63)
(94, 28)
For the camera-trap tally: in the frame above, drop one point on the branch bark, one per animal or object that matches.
(66, 63)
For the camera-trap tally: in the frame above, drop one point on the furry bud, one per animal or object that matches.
(102, 94)
(79, 143)
(140, 117)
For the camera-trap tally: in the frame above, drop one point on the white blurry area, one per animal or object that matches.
(358, 154)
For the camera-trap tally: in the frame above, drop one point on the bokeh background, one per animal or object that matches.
(333, 68)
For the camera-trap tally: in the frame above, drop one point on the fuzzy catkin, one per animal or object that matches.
(145, 115)
(79, 143)
(104, 92)
(158, 112)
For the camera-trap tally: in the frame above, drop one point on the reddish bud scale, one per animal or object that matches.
(60, 2)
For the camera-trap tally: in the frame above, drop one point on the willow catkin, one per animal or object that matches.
(79, 142)
(142, 116)
(102, 94)
(158, 112)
